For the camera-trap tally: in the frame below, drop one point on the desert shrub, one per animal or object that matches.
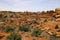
(58, 30)
(54, 16)
(1, 36)
(45, 20)
(53, 36)
(11, 21)
(8, 29)
(1, 15)
(36, 32)
(24, 28)
(5, 16)
(56, 27)
(34, 39)
(14, 36)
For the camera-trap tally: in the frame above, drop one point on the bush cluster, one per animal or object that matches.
(14, 36)
(36, 32)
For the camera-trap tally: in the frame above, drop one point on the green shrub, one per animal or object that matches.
(24, 28)
(14, 36)
(9, 29)
(36, 32)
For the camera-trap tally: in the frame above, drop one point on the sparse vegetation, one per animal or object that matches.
(14, 36)
(36, 32)
(8, 29)
(29, 24)
(24, 28)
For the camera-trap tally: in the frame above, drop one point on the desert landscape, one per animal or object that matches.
(44, 25)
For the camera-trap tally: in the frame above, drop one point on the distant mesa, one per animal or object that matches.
(57, 10)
